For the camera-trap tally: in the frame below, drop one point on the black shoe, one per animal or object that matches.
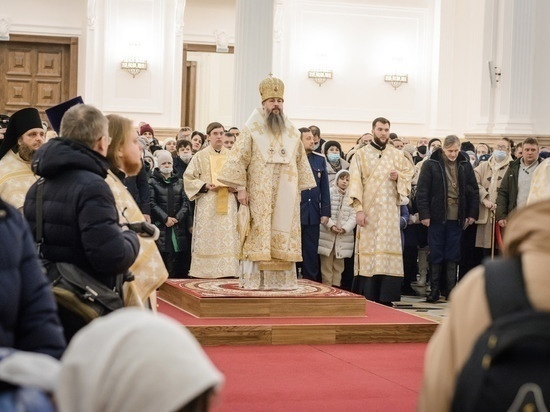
(433, 298)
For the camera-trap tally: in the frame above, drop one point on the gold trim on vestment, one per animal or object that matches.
(275, 265)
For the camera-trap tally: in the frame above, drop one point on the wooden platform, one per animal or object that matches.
(233, 319)
(223, 298)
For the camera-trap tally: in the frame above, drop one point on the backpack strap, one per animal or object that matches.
(505, 287)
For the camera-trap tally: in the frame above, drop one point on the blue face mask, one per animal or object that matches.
(499, 155)
(333, 157)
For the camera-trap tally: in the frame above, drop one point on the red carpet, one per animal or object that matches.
(367, 377)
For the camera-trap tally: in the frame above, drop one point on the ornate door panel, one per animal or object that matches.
(36, 71)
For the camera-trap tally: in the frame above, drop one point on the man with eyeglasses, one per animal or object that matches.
(489, 177)
(80, 222)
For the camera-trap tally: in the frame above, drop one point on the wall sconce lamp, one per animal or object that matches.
(319, 76)
(396, 80)
(133, 66)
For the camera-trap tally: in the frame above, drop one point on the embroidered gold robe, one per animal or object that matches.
(273, 180)
(16, 178)
(148, 269)
(215, 247)
(378, 247)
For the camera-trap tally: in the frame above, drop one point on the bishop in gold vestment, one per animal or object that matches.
(215, 247)
(271, 169)
(380, 181)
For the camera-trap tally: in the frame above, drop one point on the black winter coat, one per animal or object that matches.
(138, 186)
(28, 315)
(80, 217)
(179, 167)
(431, 191)
(168, 199)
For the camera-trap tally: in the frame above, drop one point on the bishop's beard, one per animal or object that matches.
(276, 123)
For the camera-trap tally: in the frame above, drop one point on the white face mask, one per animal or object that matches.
(166, 170)
(186, 157)
(499, 155)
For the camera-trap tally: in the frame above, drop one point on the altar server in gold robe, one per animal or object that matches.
(380, 182)
(23, 136)
(215, 248)
(269, 167)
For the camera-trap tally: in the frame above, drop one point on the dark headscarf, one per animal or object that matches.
(329, 144)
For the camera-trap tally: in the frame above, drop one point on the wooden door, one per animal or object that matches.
(189, 82)
(37, 71)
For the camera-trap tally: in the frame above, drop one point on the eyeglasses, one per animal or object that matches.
(109, 139)
(501, 147)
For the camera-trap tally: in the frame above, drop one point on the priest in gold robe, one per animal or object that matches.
(215, 247)
(380, 181)
(269, 167)
(24, 135)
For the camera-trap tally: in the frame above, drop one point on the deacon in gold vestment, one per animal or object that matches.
(269, 167)
(24, 135)
(215, 247)
(124, 155)
(380, 181)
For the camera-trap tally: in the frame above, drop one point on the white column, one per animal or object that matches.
(516, 59)
(253, 54)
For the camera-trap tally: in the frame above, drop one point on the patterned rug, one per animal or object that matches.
(227, 288)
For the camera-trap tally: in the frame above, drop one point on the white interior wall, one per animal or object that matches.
(204, 17)
(360, 41)
(443, 45)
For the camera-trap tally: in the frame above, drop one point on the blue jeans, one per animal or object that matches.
(444, 241)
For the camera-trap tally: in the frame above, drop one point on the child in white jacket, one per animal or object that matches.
(336, 239)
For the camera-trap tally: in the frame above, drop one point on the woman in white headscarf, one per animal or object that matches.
(133, 360)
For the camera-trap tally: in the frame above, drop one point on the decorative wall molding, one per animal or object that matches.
(180, 16)
(91, 14)
(46, 30)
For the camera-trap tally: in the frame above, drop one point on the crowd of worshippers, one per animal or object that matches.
(267, 203)
(447, 219)
(186, 207)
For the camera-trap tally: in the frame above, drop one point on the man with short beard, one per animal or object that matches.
(269, 167)
(24, 135)
(380, 181)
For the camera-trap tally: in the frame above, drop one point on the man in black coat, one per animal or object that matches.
(447, 198)
(80, 219)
